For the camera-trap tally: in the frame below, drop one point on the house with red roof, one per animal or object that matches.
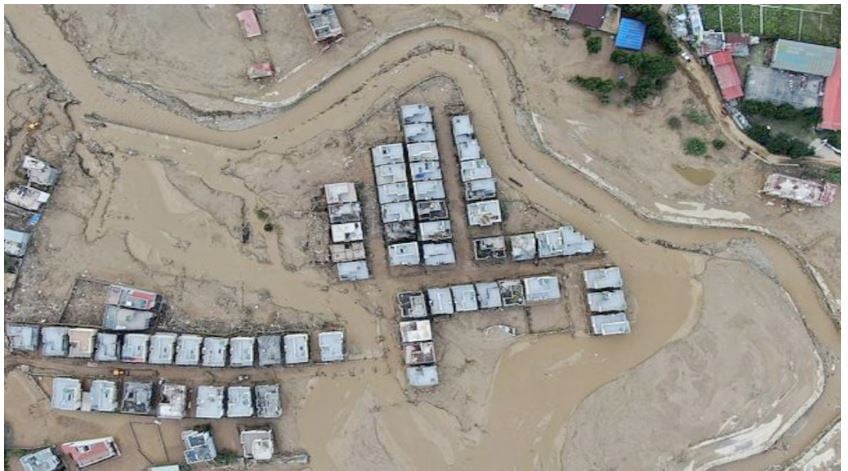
(726, 75)
(831, 107)
(88, 452)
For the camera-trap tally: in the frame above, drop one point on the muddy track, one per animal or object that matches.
(494, 75)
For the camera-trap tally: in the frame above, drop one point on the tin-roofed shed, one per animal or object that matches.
(209, 402)
(631, 34)
(804, 58)
(188, 351)
(331, 346)
(241, 351)
(66, 394)
(162, 347)
(296, 348)
(54, 341)
(215, 351)
(239, 401)
(22, 337)
(270, 350)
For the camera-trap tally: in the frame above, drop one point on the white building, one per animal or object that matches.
(603, 278)
(607, 301)
(422, 376)
(428, 190)
(215, 351)
(422, 151)
(488, 295)
(427, 170)
(66, 394)
(434, 231)
(397, 212)
(475, 170)
(417, 113)
(209, 402)
(415, 331)
(390, 173)
(162, 348)
(353, 271)
(464, 298)
(610, 324)
(331, 345)
(344, 192)
(188, 351)
(420, 132)
(404, 254)
(239, 401)
(348, 232)
(242, 351)
(484, 213)
(387, 154)
(296, 348)
(440, 301)
(438, 254)
(541, 288)
(393, 193)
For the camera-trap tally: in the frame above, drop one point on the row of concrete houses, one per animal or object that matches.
(416, 223)
(417, 308)
(605, 297)
(347, 237)
(23, 204)
(169, 348)
(563, 241)
(481, 197)
(166, 400)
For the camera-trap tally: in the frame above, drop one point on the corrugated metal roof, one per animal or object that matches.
(804, 57)
(727, 75)
(832, 106)
(631, 34)
(589, 15)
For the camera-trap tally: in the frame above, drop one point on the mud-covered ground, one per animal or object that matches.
(148, 197)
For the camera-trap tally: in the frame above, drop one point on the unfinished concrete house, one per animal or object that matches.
(440, 301)
(137, 398)
(54, 341)
(606, 301)
(41, 460)
(420, 132)
(337, 193)
(209, 402)
(162, 348)
(488, 295)
(403, 231)
(404, 254)
(387, 154)
(523, 247)
(108, 347)
(127, 320)
(188, 351)
(348, 232)
(600, 279)
(512, 292)
(134, 348)
(422, 152)
(417, 113)
(464, 298)
(419, 353)
(242, 351)
(215, 351)
(199, 446)
(296, 348)
(172, 401)
(422, 376)
(541, 288)
(431, 210)
(27, 197)
(22, 337)
(257, 444)
(15, 243)
(324, 22)
(412, 305)
(432, 231)
(415, 331)
(484, 213)
(428, 190)
(102, 396)
(610, 324)
(81, 342)
(239, 401)
(66, 394)
(479, 190)
(348, 252)
(438, 254)
(353, 271)
(268, 403)
(345, 212)
(270, 350)
(490, 248)
(331, 346)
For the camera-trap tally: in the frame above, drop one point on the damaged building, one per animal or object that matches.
(415, 331)
(268, 403)
(137, 398)
(412, 305)
(490, 248)
(324, 22)
(801, 191)
(172, 401)
(419, 353)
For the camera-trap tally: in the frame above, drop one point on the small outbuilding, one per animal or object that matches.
(268, 403)
(137, 398)
(412, 305)
(631, 34)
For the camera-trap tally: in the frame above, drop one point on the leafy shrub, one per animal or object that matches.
(268, 227)
(695, 116)
(718, 144)
(833, 138)
(834, 175)
(594, 45)
(674, 123)
(599, 86)
(587, 32)
(695, 146)
(781, 143)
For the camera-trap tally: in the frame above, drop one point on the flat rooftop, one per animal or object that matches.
(331, 346)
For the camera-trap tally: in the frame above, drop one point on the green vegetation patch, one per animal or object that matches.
(807, 117)
(594, 44)
(817, 24)
(695, 146)
(780, 143)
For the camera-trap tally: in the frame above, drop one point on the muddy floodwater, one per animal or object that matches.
(537, 382)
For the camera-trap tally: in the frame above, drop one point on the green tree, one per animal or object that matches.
(718, 144)
(594, 45)
(695, 146)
